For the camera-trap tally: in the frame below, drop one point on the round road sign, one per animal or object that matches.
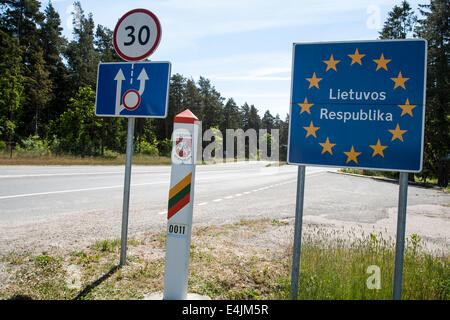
(131, 99)
(137, 35)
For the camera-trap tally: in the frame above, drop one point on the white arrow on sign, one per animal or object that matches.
(142, 78)
(119, 78)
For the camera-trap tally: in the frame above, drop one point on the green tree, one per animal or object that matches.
(21, 19)
(231, 116)
(268, 121)
(193, 98)
(434, 26)
(53, 45)
(400, 22)
(79, 130)
(245, 116)
(82, 58)
(176, 102)
(104, 44)
(11, 87)
(211, 103)
(39, 93)
(254, 121)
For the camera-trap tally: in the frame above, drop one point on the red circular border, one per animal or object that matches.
(153, 48)
(137, 104)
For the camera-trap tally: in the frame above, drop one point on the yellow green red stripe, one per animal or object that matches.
(180, 185)
(179, 196)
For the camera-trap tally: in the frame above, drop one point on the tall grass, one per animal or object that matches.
(338, 269)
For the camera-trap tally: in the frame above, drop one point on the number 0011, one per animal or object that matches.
(177, 229)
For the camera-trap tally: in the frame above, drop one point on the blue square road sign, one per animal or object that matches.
(358, 104)
(133, 89)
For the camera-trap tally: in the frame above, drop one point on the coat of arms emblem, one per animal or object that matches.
(183, 147)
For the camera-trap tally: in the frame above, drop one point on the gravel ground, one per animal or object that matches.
(79, 229)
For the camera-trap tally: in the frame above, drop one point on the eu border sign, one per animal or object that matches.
(358, 104)
(133, 89)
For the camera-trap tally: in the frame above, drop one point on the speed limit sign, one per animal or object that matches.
(137, 34)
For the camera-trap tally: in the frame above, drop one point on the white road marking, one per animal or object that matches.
(217, 200)
(202, 204)
(74, 190)
(43, 175)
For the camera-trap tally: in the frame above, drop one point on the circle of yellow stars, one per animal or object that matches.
(357, 58)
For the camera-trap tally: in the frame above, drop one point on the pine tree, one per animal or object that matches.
(400, 22)
(245, 116)
(192, 98)
(434, 26)
(21, 19)
(254, 121)
(211, 104)
(104, 44)
(231, 116)
(81, 55)
(176, 105)
(39, 93)
(53, 45)
(268, 121)
(11, 87)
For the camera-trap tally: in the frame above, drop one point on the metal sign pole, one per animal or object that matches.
(126, 192)
(297, 232)
(400, 242)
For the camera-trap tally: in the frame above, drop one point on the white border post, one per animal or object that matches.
(180, 206)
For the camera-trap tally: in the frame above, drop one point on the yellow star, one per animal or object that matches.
(407, 108)
(314, 81)
(382, 62)
(356, 57)
(327, 146)
(397, 133)
(400, 81)
(311, 130)
(378, 149)
(331, 64)
(351, 155)
(305, 106)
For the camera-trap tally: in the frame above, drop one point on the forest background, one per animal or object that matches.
(47, 89)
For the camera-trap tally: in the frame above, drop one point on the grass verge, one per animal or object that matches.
(234, 261)
(67, 160)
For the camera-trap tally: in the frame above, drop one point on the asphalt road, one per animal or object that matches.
(85, 202)
(30, 193)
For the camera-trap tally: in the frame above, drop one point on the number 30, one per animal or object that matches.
(142, 40)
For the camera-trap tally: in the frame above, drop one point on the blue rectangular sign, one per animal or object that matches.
(133, 89)
(358, 104)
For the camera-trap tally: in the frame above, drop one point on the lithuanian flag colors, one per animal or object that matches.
(179, 195)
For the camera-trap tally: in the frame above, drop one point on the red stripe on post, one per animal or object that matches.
(178, 206)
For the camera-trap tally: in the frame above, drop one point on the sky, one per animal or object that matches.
(243, 46)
